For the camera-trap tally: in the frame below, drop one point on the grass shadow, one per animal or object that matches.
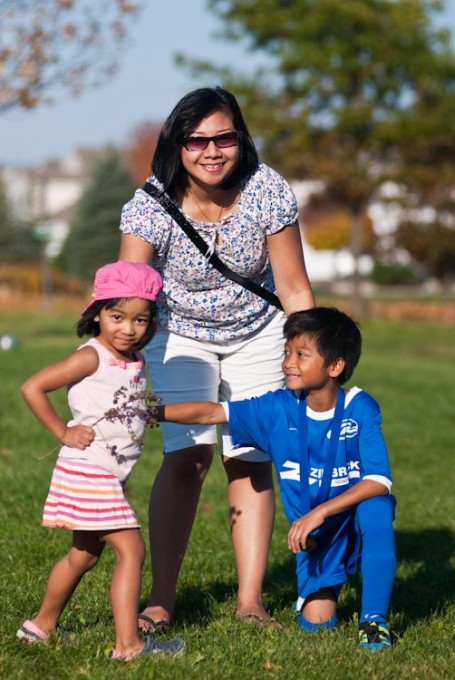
(425, 581)
(424, 585)
(199, 605)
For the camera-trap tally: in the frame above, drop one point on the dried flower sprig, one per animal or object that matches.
(127, 407)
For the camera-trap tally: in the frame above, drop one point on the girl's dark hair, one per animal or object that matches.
(190, 110)
(88, 326)
(336, 336)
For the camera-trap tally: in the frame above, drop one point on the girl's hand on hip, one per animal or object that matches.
(78, 436)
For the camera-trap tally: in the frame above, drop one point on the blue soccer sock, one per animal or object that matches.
(310, 627)
(378, 572)
(378, 560)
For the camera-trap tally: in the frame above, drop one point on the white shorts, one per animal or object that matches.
(182, 369)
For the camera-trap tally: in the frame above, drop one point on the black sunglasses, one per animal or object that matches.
(222, 141)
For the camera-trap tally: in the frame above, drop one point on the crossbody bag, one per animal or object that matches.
(176, 214)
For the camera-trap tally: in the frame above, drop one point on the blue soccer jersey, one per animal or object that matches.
(271, 423)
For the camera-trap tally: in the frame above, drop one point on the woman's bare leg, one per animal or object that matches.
(173, 504)
(251, 509)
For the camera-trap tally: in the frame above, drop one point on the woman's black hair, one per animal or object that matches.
(88, 326)
(190, 110)
(335, 334)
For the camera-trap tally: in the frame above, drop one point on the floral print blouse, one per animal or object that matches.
(198, 301)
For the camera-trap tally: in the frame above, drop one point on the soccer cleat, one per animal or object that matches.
(374, 636)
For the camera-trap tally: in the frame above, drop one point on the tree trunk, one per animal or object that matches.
(357, 302)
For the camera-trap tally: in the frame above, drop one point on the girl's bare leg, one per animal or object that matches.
(129, 550)
(66, 574)
(173, 504)
(251, 509)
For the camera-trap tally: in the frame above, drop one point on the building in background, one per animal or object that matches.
(46, 195)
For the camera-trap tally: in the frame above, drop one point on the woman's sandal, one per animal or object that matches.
(152, 625)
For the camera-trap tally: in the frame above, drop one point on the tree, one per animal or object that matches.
(432, 246)
(426, 228)
(46, 45)
(327, 226)
(352, 93)
(17, 244)
(5, 213)
(94, 237)
(139, 150)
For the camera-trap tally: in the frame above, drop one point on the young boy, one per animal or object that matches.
(331, 460)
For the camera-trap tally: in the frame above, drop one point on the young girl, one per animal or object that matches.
(106, 384)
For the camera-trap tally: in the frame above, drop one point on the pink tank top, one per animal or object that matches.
(99, 397)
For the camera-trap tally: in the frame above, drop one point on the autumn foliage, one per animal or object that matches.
(139, 150)
(328, 227)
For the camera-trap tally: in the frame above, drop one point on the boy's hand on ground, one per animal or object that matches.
(301, 528)
(78, 436)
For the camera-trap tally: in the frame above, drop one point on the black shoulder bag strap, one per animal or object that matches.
(164, 200)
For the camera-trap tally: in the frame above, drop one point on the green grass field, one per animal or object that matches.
(409, 367)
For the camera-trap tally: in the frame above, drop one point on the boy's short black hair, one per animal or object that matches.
(88, 326)
(336, 335)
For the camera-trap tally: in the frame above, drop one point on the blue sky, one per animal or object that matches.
(146, 87)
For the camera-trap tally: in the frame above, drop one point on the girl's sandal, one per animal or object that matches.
(30, 633)
(151, 647)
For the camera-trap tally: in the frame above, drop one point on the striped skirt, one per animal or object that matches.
(86, 497)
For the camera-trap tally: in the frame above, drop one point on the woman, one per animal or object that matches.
(216, 340)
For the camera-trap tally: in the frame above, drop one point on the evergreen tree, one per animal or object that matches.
(4, 218)
(17, 243)
(94, 237)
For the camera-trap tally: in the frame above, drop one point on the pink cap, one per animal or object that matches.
(126, 280)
